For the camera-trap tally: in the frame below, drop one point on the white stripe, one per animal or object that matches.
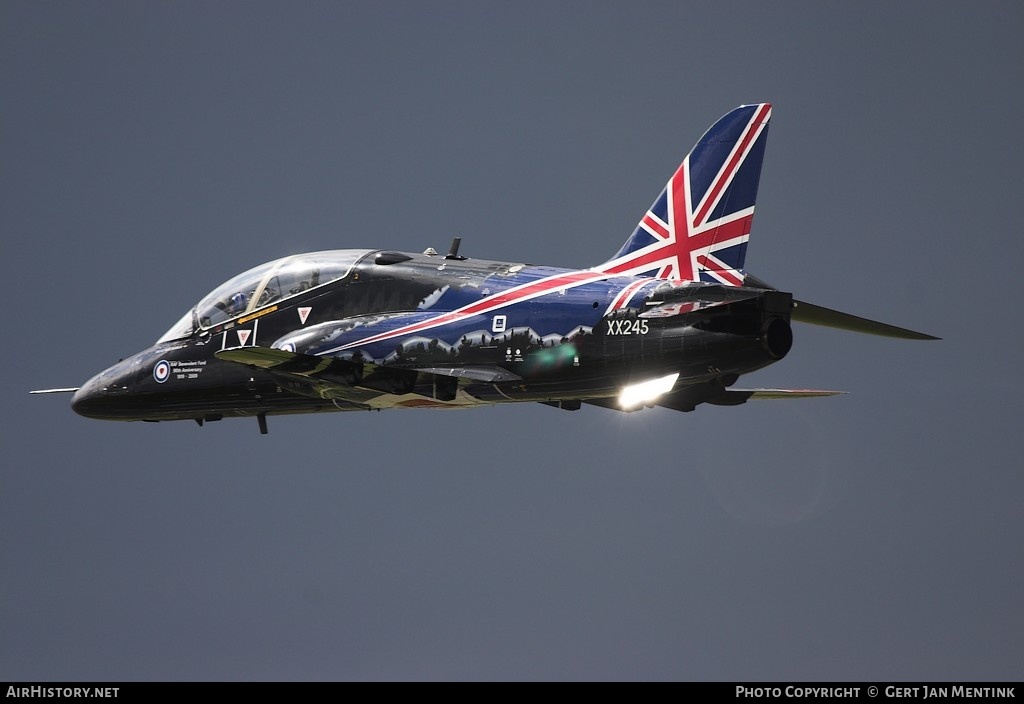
(654, 233)
(712, 224)
(638, 253)
(627, 294)
(658, 220)
(717, 275)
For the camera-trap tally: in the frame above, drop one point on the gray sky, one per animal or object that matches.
(149, 151)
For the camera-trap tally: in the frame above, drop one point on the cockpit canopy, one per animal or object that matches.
(263, 285)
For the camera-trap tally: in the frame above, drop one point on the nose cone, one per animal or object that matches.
(89, 401)
(103, 396)
(80, 402)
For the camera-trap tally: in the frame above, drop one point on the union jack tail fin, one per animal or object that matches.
(698, 227)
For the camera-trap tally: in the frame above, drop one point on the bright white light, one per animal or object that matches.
(635, 394)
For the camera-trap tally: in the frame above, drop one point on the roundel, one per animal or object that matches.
(162, 371)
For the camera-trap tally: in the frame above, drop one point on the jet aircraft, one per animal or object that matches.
(672, 319)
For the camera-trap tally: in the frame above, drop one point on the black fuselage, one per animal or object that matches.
(411, 330)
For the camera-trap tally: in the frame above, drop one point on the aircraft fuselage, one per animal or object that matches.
(416, 330)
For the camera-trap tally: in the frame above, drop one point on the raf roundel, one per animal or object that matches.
(162, 371)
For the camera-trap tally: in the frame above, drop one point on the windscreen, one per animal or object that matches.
(264, 285)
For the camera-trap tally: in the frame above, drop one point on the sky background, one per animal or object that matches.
(151, 150)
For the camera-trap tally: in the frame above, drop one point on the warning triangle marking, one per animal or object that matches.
(243, 336)
(303, 314)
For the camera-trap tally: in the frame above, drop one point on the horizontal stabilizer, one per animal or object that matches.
(734, 397)
(783, 393)
(817, 315)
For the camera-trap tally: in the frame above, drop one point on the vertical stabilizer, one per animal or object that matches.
(698, 227)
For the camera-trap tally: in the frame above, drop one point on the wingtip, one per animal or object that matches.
(913, 335)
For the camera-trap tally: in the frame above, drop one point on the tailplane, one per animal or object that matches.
(698, 227)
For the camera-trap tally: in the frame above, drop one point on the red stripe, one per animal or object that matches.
(730, 169)
(621, 296)
(724, 232)
(683, 248)
(659, 229)
(626, 294)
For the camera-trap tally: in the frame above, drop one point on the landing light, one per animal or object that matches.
(635, 394)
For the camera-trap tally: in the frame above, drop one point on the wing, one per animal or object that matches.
(360, 383)
(734, 397)
(687, 399)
